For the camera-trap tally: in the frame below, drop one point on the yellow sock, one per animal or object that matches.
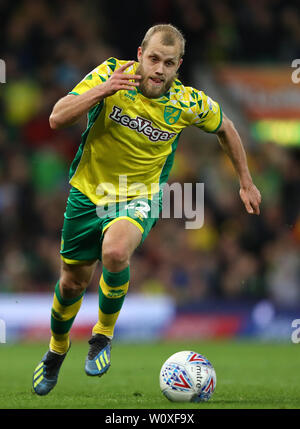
(113, 288)
(63, 314)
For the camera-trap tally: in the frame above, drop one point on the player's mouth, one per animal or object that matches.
(156, 81)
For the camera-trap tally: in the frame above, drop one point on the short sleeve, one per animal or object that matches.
(97, 76)
(208, 113)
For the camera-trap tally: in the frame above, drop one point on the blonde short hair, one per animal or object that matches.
(170, 35)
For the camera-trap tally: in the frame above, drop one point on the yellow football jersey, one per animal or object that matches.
(128, 147)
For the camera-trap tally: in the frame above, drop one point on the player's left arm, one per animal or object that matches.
(231, 143)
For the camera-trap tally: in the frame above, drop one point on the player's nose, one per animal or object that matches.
(159, 69)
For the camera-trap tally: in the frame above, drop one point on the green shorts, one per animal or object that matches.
(85, 224)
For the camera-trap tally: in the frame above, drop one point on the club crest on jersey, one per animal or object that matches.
(171, 115)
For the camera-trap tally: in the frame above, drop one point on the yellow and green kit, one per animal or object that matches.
(119, 171)
(126, 154)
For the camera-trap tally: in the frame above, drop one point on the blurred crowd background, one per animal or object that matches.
(48, 47)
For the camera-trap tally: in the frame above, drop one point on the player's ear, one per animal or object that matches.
(139, 53)
(180, 62)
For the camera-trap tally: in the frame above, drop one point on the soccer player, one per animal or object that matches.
(136, 112)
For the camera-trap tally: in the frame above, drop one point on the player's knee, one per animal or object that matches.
(115, 256)
(71, 288)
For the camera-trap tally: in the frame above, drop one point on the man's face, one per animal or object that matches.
(158, 67)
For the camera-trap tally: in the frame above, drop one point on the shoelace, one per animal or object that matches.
(97, 343)
(53, 363)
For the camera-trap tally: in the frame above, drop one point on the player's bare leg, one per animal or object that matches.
(120, 241)
(67, 300)
(74, 278)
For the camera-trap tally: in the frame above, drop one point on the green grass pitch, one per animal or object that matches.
(249, 375)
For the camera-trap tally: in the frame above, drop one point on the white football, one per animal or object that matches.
(187, 376)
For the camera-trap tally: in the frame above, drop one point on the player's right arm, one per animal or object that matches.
(70, 108)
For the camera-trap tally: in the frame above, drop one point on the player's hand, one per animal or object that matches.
(120, 81)
(251, 198)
